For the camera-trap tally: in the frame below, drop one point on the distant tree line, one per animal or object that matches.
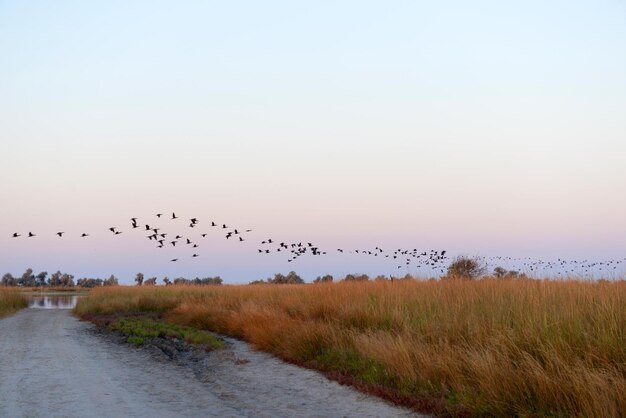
(56, 279)
(152, 281)
(465, 268)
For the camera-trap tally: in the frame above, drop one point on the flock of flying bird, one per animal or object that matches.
(432, 260)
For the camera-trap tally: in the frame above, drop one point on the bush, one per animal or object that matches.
(466, 268)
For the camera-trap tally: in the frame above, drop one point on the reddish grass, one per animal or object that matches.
(487, 347)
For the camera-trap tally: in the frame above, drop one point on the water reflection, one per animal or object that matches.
(52, 301)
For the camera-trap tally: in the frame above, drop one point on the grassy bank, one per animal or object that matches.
(11, 301)
(451, 348)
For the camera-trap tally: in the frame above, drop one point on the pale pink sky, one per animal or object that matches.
(485, 129)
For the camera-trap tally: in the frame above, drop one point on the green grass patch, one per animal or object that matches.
(137, 329)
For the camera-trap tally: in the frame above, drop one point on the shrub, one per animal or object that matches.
(466, 268)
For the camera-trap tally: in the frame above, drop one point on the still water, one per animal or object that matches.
(52, 301)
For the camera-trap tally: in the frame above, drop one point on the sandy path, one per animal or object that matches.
(51, 364)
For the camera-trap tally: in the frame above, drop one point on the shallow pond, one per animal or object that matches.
(52, 301)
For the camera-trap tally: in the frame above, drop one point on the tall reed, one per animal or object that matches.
(487, 347)
(11, 301)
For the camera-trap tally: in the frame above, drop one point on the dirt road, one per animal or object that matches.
(53, 365)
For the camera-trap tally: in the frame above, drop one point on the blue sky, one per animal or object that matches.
(482, 128)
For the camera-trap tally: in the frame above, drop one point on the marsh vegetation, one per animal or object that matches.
(478, 347)
(11, 301)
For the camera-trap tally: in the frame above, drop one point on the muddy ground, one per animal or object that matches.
(52, 364)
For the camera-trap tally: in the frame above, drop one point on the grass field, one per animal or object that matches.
(11, 301)
(479, 348)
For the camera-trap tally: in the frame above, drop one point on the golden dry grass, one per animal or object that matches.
(487, 347)
(11, 301)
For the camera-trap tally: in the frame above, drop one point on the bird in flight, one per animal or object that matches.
(112, 229)
(30, 234)
(60, 233)
(158, 215)
(174, 259)
(15, 235)
(83, 235)
(195, 255)
(174, 216)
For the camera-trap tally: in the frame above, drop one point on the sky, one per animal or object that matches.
(482, 128)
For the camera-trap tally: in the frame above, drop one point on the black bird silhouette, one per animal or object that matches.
(60, 233)
(178, 237)
(174, 216)
(15, 235)
(30, 234)
(203, 235)
(83, 235)
(134, 220)
(224, 226)
(112, 229)
(248, 230)
(188, 241)
(213, 223)
(240, 239)
(195, 255)
(158, 215)
(173, 243)
(228, 235)
(174, 259)
(118, 232)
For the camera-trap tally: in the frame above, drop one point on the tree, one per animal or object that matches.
(111, 281)
(8, 280)
(323, 279)
(499, 272)
(356, 278)
(139, 279)
(41, 278)
(291, 278)
(27, 279)
(89, 282)
(466, 268)
(67, 280)
(55, 279)
(166, 281)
